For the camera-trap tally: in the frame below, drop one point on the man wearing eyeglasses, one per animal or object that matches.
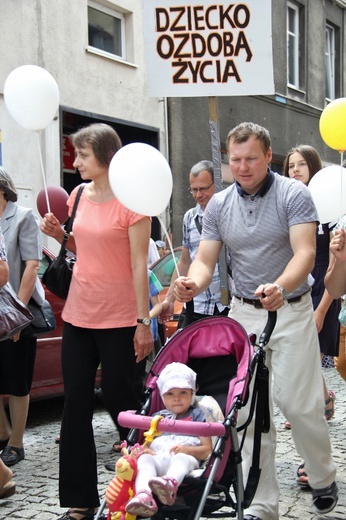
(207, 303)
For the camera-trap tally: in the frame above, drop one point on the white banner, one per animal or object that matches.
(208, 48)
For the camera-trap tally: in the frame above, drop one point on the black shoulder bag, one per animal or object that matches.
(44, 319)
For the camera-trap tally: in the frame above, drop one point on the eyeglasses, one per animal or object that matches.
(194, 191)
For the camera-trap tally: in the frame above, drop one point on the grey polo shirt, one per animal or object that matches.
(255, 230)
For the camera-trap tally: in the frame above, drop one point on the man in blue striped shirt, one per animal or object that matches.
(208, 302)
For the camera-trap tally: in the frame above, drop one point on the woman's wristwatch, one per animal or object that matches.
(144, 321)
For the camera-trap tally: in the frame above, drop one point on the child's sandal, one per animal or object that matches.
(142, 504)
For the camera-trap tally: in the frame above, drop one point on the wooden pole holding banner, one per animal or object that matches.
(215, 141)
(216, 158)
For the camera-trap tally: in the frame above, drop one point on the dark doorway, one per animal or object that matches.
(129, 133)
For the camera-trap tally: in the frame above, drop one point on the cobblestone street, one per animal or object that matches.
(37, 475)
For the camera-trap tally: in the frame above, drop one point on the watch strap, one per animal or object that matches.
(145, 321)
(282, 290)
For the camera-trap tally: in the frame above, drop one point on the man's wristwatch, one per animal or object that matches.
(282, 290)
(144, 321)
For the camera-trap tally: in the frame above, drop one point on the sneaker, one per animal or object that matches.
(142, 504)
(325, 499)
(165, 488)
(251, 517)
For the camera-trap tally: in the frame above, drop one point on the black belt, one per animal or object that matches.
(258, 305)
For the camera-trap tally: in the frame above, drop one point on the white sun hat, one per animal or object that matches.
(176, 375)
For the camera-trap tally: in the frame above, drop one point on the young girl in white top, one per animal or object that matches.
(170, 457)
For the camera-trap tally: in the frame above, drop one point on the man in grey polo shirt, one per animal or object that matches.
(268, 224)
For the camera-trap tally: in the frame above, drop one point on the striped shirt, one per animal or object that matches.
(205, 302)
(255, 230)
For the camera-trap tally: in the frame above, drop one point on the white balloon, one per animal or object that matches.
(328, 190)
(141, 178)
(31, 96)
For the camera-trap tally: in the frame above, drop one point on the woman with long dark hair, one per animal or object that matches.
(302, 163)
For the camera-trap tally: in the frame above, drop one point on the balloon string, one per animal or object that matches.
(342, 180)
(169, 243)
(43, 175)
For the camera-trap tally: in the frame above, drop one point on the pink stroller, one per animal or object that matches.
(225, 359)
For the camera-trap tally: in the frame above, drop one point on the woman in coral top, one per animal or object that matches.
(108, 293)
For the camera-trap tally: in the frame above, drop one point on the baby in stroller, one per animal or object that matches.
(170, 457)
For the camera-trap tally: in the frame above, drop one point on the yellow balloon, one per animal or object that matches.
(333, 124)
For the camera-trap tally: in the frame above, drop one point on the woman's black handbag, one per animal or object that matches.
(14, 315)
(57, 277)
(44, 319)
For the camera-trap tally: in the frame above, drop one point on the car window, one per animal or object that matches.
(164, 268)
(44, 263)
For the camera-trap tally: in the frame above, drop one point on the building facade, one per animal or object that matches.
(94, 51)
(309, 61)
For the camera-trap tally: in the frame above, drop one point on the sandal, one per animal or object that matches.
(142, 504)
(11, 455)
(302, 479)
(7, 486)
(330, 411)
(88, 514)
(116, 448)
(3, 443)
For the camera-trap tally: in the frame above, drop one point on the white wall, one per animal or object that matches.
(54, 35)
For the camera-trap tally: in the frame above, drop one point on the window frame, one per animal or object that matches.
(295, 35)
(115, 14)
(330, 62)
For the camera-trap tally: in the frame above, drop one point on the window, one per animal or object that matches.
(292, 45)
(330, 62)
(106, 29)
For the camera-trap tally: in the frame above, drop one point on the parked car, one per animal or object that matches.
(47, 380)
(163, 268)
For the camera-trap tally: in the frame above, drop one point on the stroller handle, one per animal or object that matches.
(268, 329)
(130, 419)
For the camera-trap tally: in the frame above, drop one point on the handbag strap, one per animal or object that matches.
(70, 222)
